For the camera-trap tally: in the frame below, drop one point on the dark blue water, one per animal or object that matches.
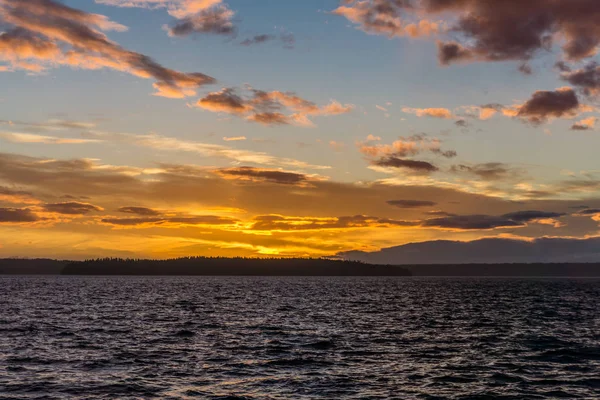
(299, 338)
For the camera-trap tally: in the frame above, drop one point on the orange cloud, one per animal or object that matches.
(266, 107)
(46, 34)
(430, 112)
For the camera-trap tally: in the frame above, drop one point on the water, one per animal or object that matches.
(298, 338)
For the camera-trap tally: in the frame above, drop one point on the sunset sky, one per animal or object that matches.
(164, 128)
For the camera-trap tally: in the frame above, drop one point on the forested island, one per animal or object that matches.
(231, 266)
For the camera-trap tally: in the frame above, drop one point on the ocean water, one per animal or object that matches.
(298, 338)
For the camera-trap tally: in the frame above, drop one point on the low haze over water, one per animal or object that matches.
(298, 338)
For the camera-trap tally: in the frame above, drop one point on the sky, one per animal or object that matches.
(167, 128)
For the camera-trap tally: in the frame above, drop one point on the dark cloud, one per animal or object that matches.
(589, 211)
(11, 192)
(258, 39)
(580, 207)
(415, 165)
(486, 30)
(288, 40)
(71, 208)
(226, 100)
(215, 20)
(516, 30)
(580, 127)
(527, 216)
(525, 69)
(587, 79)
(440, 214)
(275, 176)
(265, 107)
(546, 104)
(445, 153)
(144, 211)
(451, 52)
(486, 222)
(411, 203)
(471, 222)
(462, 123)
(17, 215)
(562, 66)
(183, 220)
(269, 118)
(485, 171)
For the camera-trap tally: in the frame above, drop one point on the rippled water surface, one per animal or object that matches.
(298, 338)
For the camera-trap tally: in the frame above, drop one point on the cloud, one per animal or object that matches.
(71, 208)
(225, 100)
(588, 211)
(257, 174)
(17, 215)
(285, 223)
(486, 31)
(411, 203)
(584, 124)
(165, 143)
(192, 16)
(16, 137)
(586, 79)
(143, 211)
(471, 222)
(453, 52)
(174, 221)
(528, 216)
(287, 39)
(216, 20)
(404, 147)
(525, 69)
(593, 213)
(258, 39)
(487, 222)
(234, 138)
(486, 171)
(384, 18)
(267, 107)
(314, 209)
(544, 105)
(430, 112)
(44, 33)
(50, 125)
(483, 112)
(414, 165)
(270, 118)
(17, 196)
(439, 213)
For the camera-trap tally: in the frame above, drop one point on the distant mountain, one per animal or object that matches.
(484, 251)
